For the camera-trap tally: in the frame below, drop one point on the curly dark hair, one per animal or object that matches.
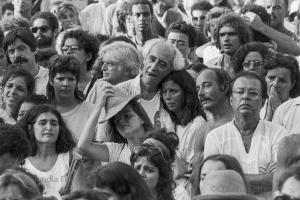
(241, 27)
(14, 141)
(183, 27)
(165, 183)
(243, 51)
(263, 14)
(230, 162)
(121, 179)
(202, 5)
(64, 64)
(64, 141)
(49, 17)
(192, 107)
(278, 60)
(136, 2)
(169, 139)
(86, 41)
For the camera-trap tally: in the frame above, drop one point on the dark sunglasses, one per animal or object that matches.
(285, 197)
(43, 29)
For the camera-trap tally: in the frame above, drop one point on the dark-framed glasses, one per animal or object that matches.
(252, 93)
(43, 29)
(252, 63)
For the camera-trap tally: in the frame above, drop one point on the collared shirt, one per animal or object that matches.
(41, 80)
(226, 139)
(288, 115)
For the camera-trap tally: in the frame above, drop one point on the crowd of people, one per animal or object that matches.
(150, 99)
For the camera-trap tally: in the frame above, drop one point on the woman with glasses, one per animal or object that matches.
(127, 124)
(251, 56)
(156, 170)
(51, 143)
(63, 92)
(17, 84)
(84, 47)
(187, 118)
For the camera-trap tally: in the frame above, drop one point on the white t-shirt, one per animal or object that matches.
(41, 81)
(55, 178)
(76, 118)
(288, 115)
(226, 139)
(118, 152)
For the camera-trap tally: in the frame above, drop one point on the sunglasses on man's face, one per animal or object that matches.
(43, 29)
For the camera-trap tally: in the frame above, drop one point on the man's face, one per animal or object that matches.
(246, 97)
(180, 41)
(42, 33)
(209, 92)
(198, 18)
(22, 6)
(8, 15)
(141, 17)
(20, 53)
(229, 40)
(278, 10)
(158, 64)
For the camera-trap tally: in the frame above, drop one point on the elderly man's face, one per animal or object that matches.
(278, 10)
(246, 97)
(158, 64)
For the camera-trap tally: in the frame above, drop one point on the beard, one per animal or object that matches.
(44, 42)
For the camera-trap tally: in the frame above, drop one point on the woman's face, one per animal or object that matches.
(210, 166)
(113, 71)
(24, 108)
(253, 62)
(12, 191)
(148, 171)
(128, 122)
(280, 79)
(68, 19)
(64, 85)
(46, 128)
(15, 90)
(173, 96)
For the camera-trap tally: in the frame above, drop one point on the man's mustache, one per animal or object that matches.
(20, 60)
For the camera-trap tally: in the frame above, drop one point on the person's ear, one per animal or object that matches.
(88, 56)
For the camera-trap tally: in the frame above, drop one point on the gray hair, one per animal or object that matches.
(125, 54)
(178, 59)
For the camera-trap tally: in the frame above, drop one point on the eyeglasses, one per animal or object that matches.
(43, 29)
(252, 94)
(149, 149)
(73, 48)
(285, 197)
(255, 64)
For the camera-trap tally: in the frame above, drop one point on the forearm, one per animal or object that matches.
(286, 43)
(258, 183)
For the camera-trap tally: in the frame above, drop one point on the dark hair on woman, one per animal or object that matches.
(87, 195)
(122, 179)
(278, 60)
(86, 41)
(263, 14)
(230, 162)
(64, 141)
(64, 64)
(14, 141)
(235, 21)
(15, 71)
(36, 99)
(165, 183)
(243, 50)
(222, 78)
(198, 67)
(23, 34)
(192, 107)
(293, 172)
(113, 133)
(169, 139)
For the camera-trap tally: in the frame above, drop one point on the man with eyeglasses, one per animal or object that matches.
(182, 36)
(141, 14)
(20, 46)
(253, 142)
(45, 29)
